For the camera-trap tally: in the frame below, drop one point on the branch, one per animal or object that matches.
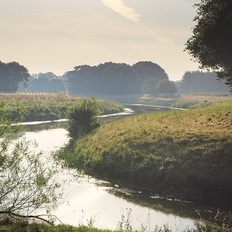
(13, 215)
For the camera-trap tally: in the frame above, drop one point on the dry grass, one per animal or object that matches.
(36, 97)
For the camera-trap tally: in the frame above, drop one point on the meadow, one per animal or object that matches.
(45, 106)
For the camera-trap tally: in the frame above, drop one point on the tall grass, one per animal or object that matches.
(44, 106)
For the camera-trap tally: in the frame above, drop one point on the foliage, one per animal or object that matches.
(11, 74)
(210, 44)
(26, 184)
(8, 226)
(115, 79)
(83, 118)
(150, 74)
(44, 82)
(201, 82)
(25, 227)
(187, 153)
(166, 87)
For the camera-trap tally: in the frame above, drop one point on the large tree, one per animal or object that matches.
(150, 74)
(11, 74)
(210, 43)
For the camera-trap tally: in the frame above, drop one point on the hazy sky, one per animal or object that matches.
(56, 35)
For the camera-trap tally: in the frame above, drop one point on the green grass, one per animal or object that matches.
(25, 227)
(184, 153)
(43, 106)
(186, 101)
(33, 227)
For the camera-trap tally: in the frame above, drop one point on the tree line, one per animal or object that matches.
(144, 77)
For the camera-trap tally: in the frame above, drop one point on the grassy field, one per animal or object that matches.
(45, 106)
(187, 154)
(185, 101)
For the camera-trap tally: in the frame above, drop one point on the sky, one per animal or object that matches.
(57, 35)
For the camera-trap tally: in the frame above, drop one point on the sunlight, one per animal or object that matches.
(120, 7)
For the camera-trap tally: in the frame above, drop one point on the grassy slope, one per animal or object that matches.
(185, 153)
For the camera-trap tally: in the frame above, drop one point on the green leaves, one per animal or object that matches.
(27, 177)
(26, 183)
(210, 44)
(83, 118)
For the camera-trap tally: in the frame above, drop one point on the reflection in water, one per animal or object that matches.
(88, 201)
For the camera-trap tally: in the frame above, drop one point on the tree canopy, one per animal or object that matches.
(115, 78)
(201, 82)
(210, 43)
(11, 74)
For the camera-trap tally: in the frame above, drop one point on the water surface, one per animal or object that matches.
(88, 201)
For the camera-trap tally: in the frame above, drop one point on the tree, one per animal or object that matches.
(83, 118)
(201, 82)
(119, 78)
(210, 44)
(150, 74)
(27, 184)
(166, 87)
(11, 74)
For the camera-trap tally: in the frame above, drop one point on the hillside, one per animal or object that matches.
(182, 153)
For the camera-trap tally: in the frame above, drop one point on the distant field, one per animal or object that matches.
(36, 97)
(45, 106)
(185, 101)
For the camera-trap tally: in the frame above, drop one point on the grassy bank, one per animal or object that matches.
(44, 106)
(187, 154)
(185, 101)
(26, 227)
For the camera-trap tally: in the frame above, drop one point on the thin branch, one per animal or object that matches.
(13, 215)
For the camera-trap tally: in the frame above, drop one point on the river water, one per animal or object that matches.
(87, 201)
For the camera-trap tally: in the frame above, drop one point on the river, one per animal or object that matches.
(87, 201)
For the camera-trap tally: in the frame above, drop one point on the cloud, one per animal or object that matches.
(120, 7)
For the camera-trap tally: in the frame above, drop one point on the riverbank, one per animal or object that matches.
(28, 227)
(182, 153)
(44, 106)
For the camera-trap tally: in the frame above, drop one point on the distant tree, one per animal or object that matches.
(39, 85)
(56, 86)
(150, 74)
(115, 79)
(166, 87)
(108, 78)
(48, 75)
(80, 80)
(120, 78)
(83, 118)
(11, 74)
(45, 82)
(201, 82)
(210, 44)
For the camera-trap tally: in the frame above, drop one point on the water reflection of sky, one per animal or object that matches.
(86, 202)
